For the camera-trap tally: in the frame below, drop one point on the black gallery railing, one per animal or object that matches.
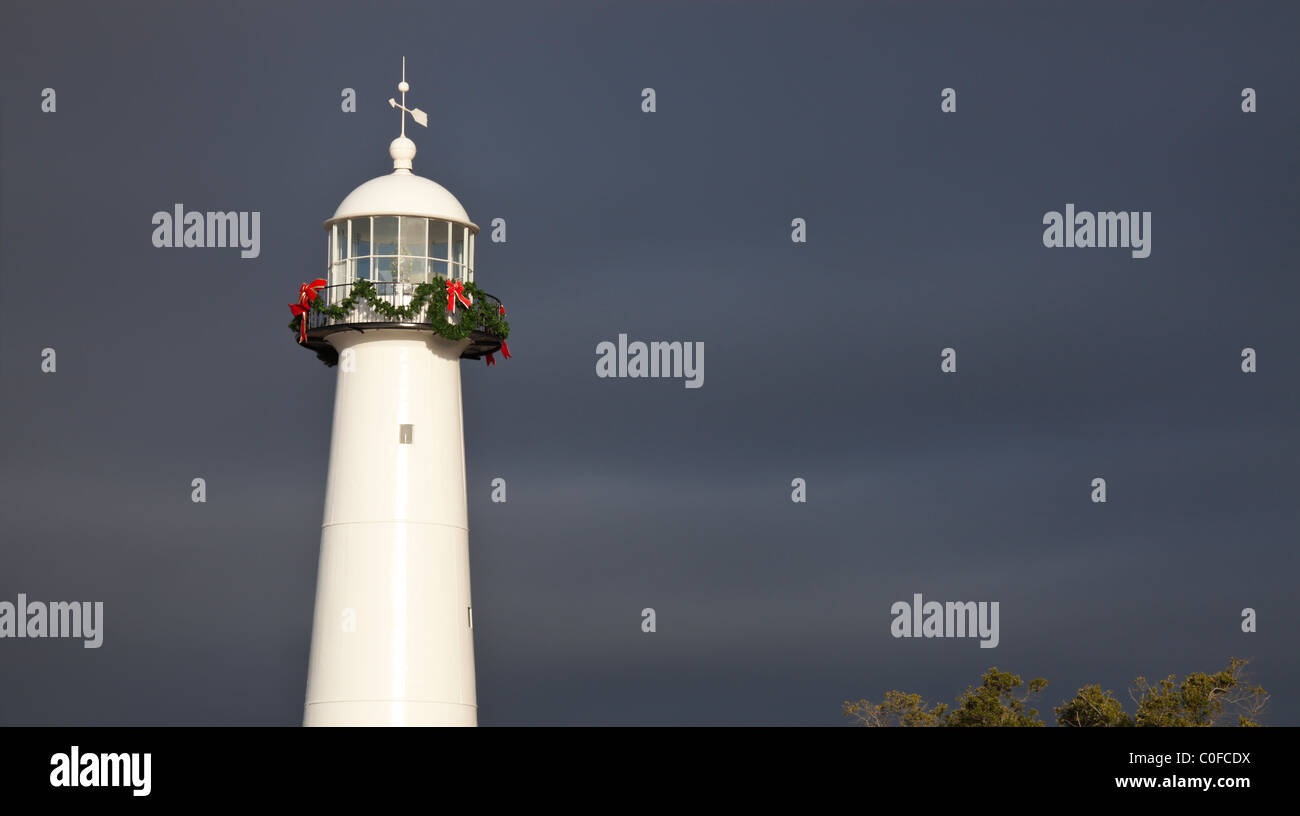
(394, 293)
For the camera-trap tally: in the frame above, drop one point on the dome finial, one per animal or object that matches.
(403, 149)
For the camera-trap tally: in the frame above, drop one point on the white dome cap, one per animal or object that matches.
(403, 193)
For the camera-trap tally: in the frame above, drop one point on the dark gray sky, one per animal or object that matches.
(821, 359)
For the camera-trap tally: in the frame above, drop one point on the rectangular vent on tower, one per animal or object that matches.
(404, 434)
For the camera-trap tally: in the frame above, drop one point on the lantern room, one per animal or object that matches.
(400, 229)
(396, 233)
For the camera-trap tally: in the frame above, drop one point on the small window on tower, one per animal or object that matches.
(404, 434)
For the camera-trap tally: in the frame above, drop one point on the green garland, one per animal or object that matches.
(483, 315)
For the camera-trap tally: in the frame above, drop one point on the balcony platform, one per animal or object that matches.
(480, 345)
(363, 318)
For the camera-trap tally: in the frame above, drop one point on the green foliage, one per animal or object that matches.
(1092, 708)
(898, 709)
(482, 315)
(1199, 700)
(995, 703)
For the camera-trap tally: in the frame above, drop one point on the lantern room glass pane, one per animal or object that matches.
(439, 236)
(385, 244)
(385, 237)
(458, 250)
(340, 241)
(412, 270)
(338, 253)
(439, 240)
(360, 247)
(413, 237)
(384, 268)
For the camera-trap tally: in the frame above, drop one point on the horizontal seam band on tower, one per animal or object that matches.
(397, 700)
(423, 523)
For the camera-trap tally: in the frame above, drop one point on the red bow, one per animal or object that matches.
(306, 296)
(504, 350)
(455, 292)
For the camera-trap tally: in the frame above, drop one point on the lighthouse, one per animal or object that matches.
(395, 313)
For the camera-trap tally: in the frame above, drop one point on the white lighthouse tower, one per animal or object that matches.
(392, 637)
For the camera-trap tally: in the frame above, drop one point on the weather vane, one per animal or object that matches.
(421, 118)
